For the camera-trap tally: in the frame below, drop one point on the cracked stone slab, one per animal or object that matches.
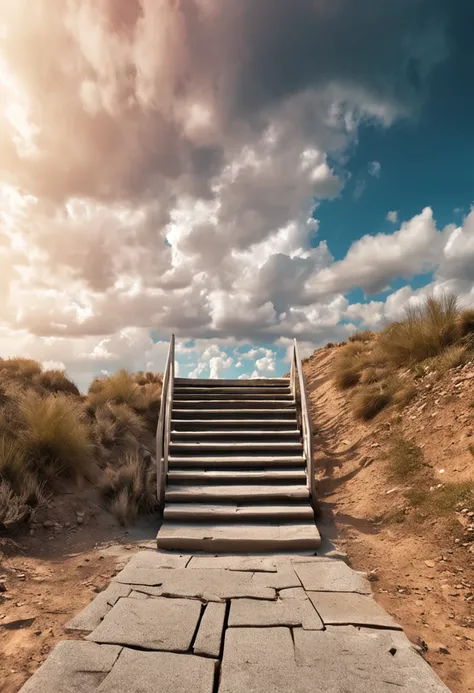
(207, 585)
(287, 612)
(331, 576)
(284, 577)
(160, 624)
(166, 672)
(240, 563)
(90, 617)
(209, 636)
(73, 667)
(350, 608)
(146, 563)
(258, 660)
(378, 662)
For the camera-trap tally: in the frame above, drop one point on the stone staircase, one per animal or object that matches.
(236, 469)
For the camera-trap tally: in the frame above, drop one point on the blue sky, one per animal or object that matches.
(238, 174)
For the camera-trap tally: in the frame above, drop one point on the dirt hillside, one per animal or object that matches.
(418, 548)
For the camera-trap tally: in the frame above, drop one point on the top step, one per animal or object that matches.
(213, 382)
(257, 390)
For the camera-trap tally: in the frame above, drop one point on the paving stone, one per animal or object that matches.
(358, 662)
(146, 563)
(207, 585)
(90, 617)
(160, 624)
(346, 608)
(138, 595)
(241, 563)
(330, 576)
(159, 672)
(287, 612)
(209, 636)
(284, 578)
(258, 660)
(73, 667)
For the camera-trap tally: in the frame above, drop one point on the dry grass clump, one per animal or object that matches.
(24, 367)
(466, 322)
(118, 429)
(443, 500)
(119, 388)
(56, 381)
(405, 459)
(369, 401)
(362, 336)
(427, 330)
(56, 436)
(346, 377)
(130, 488)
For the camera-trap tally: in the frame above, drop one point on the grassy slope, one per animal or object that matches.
(48, 432)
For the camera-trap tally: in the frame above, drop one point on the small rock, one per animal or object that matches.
(80, 520)
(430, 564)
(442, 649)
(2, 587)
(372, 575)
(47, 524)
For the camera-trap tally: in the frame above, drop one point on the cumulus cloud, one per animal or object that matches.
(392, 216)
(159, 163)
(374, 169)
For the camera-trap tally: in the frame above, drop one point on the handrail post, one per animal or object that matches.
(305, 423)
(163, 420)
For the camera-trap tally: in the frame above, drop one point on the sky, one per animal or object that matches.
(237, 173)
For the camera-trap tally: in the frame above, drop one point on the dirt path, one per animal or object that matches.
(421, 574)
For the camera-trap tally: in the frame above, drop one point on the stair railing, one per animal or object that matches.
(298, 389)
(163, 429)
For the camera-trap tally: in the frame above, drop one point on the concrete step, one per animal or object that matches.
(184, 391)
(216, 382)
(212, 395)
(230, 447)
(234, 424)
(236, 461)
(244, 404)
(223, 538)
(209, 476)
(235, 436)
(225, 414)
(269, 493)
(200, 512)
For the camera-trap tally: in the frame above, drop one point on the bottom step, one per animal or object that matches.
(238, 538)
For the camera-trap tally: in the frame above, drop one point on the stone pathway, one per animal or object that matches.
(171, 623)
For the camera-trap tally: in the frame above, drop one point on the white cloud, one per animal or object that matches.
(374, 168)
(392, 216)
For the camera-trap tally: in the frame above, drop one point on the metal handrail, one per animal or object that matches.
(298, 387)
(163, 428)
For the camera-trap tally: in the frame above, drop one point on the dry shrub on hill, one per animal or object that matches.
(48, 430)
(435, 336)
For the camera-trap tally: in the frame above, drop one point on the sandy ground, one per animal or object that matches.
(422, 572)
(50, 576)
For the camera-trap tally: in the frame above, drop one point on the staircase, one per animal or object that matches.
(233, 467)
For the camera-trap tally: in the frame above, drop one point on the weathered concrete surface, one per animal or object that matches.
(90, 617)
(241, 563)
(208, 585)
(153, 624)
(209, 636)
(346, 608)
(287, 612)
(334, 576)
(163, 672)
(73, 667)
(257, 622)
